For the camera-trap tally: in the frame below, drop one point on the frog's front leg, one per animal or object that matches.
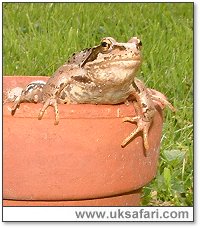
(141, 126)
(32, 93)
(145, 110)
(51, 94)
(50, 102)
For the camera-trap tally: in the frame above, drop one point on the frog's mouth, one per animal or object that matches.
(119, 63)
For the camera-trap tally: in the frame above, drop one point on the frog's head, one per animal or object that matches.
(113, 61)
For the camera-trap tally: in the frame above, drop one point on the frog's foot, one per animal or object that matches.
(50, 102)
(141, 126)
(20, 99)
(160, 99)
(16, 105)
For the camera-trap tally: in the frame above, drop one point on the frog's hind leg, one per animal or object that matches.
(50, 102)
(145, 111)
(160, 99)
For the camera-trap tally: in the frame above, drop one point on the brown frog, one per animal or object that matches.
(104, 74)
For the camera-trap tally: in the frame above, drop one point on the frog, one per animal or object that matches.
(105, 75)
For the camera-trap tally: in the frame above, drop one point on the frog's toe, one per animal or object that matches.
(15, 106)
(45, 106)
(56, 114)
(160, 99)
(13, 110)
(141, 126)
(41, 113)
(50, 102)
(56, 122)
(131, 119)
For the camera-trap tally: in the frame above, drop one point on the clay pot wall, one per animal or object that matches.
(78, 162)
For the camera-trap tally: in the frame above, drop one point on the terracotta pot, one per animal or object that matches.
(78, 162)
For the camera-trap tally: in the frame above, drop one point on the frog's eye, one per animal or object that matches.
(105, 44)
(136, 41)
(139, 44)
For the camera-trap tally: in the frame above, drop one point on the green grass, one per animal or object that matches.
(38, 38)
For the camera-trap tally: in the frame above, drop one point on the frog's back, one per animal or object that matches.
(79, 57)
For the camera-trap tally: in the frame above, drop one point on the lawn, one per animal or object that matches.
(39, 37)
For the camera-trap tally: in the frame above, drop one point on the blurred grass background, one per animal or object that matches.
(39, 37)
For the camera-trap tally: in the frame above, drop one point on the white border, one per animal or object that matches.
(19, 213)
(99, 214)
